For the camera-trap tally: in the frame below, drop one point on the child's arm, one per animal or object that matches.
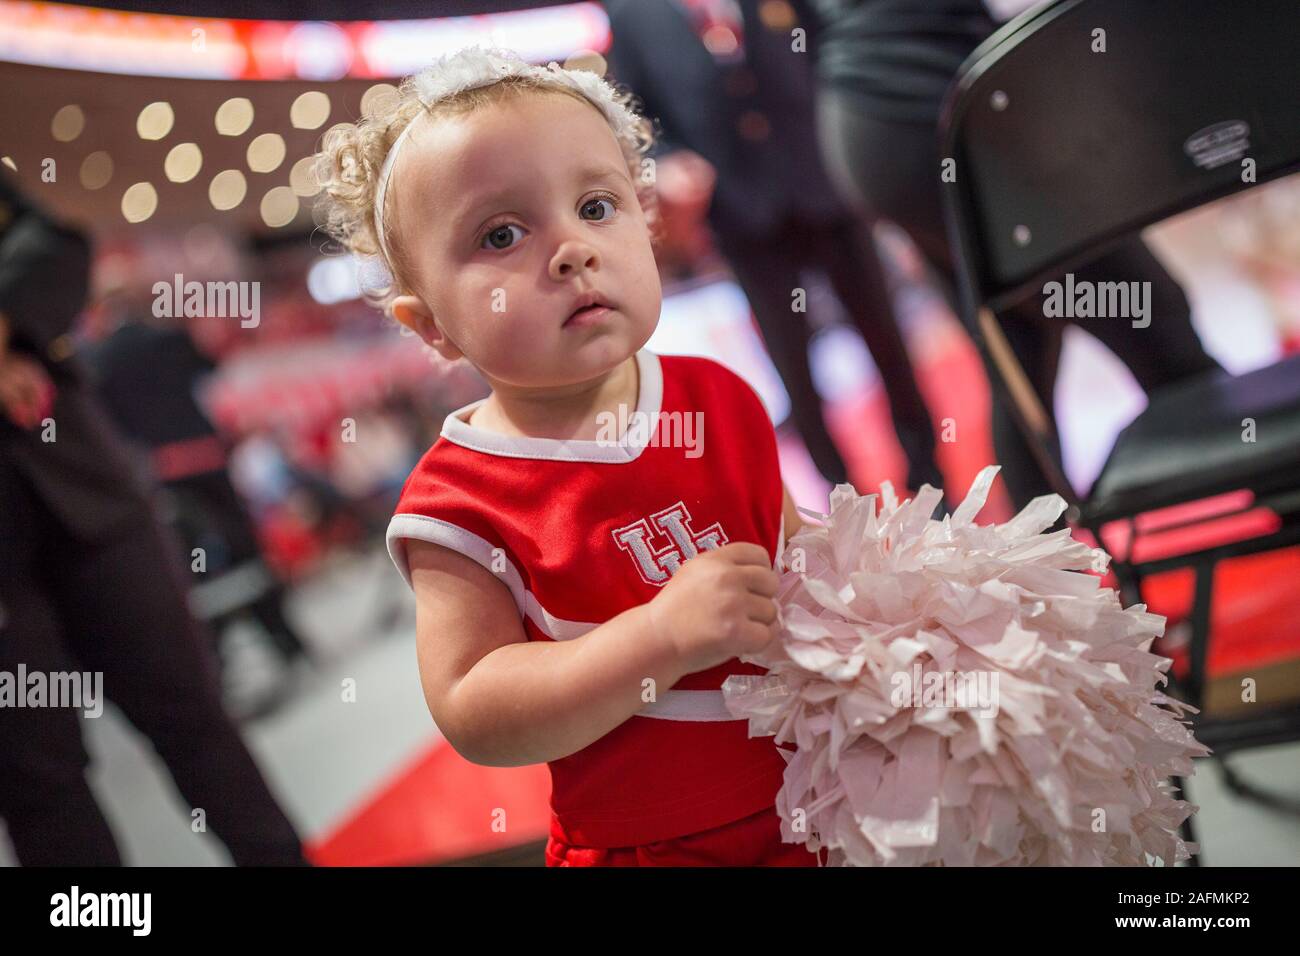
(793, 521)
(502, 700)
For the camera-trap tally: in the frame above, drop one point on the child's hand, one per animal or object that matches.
(718, 606)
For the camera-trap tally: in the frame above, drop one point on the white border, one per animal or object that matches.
(649, 403)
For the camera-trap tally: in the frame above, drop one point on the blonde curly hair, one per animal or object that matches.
(351, 163)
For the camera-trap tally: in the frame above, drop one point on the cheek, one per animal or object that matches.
(474, 291)
(512, 301)
(647, 275)
(494, 315)
(644, 247)
(489, 304)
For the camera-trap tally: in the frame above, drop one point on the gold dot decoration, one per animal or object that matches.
(227, 189)
(234, 116)
(777, 15)
(378, 98)
(310, 110)
(183, 162)
(279, 207)
(302, 177)
(96, 170)
(266, 152)
(155, 121)
(139, 202)
(68, 123)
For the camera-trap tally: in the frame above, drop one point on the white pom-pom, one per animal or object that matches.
(963, 695)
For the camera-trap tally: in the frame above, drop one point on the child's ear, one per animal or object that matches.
(414, 313)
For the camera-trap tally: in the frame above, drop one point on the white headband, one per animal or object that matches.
(473, 67)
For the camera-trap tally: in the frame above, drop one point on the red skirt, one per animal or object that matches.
(750, 841)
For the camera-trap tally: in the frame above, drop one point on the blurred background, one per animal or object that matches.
(177, 136)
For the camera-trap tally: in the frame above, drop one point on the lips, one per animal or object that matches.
(586, 303)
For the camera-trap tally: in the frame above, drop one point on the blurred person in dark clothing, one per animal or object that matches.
(147, 371)
(724, 84)
(883, 69)
(88, 582)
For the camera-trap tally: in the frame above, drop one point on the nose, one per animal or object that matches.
(573, 257)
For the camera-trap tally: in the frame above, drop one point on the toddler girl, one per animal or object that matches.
(582, 591)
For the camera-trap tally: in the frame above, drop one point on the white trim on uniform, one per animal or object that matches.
(478, 549)
(691, 705)
(461, 540)
(687, 705)
(650, 396)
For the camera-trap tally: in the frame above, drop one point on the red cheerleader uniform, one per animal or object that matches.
(580, 531)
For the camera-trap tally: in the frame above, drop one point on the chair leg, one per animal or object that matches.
(1250, 792)
(1130, 583)
(1130, 587)
(1187, 830)
(1202, 599)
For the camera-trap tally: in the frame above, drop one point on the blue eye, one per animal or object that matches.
(498, 237)
(592, 202)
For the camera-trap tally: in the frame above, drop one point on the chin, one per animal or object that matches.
(618, 343)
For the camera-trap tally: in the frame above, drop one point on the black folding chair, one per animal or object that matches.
(1073, 127)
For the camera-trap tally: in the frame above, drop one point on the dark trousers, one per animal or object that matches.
(115, 606)
(210, 512)
(891, 169)
(767, 269)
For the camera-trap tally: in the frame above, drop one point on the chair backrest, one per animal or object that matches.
(1079, 123)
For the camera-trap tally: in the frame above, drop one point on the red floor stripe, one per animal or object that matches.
(441, 808)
